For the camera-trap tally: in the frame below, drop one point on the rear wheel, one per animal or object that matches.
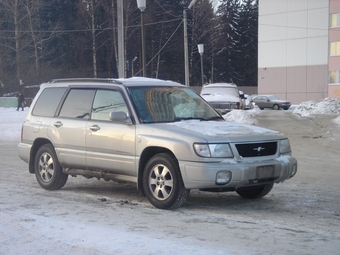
(276, 107)
(162, 182)
(255, 192)
(48, 171)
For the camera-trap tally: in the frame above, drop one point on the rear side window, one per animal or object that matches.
(48, 101)
(78, 104)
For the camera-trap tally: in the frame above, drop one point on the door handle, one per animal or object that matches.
(58, 124)
(95, 128)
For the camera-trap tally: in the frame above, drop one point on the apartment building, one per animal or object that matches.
(299, 49)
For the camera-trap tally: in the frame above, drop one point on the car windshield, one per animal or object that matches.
(169, 104)
(272, 97)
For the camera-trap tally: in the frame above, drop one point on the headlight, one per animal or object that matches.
(222, 150)
(284, 146)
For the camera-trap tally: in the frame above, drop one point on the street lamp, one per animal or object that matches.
(141, 6)
(201, 51)
(133, 63)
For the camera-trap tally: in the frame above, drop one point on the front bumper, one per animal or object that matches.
(200, 175)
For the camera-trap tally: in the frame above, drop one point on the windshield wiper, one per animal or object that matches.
(215, 118)
(189, 118)
(201, 119)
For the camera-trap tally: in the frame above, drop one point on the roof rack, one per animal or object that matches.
(107, 80)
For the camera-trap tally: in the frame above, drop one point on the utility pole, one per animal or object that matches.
(121, 61)
(186, 57)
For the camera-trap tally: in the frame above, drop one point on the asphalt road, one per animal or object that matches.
(299, 216)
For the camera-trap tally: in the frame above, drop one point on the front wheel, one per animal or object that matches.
(48, 171)
(162, 182)
(276, 107)
(255, 192)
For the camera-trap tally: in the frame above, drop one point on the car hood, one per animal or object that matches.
(221, 128)
(216, 97)
(215, 131)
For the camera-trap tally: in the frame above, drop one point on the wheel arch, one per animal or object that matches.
(35, 147)
(145, 156)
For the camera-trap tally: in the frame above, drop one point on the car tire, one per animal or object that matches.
(48, 171)
(255, 192)
(276, 107)
(162, 182)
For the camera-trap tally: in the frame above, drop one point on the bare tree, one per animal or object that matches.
(32, 8)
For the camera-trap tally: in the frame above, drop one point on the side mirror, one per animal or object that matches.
(120, 116)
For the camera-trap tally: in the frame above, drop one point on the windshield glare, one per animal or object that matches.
(169, 104)
(220, 90)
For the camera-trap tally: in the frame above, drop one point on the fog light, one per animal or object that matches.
(223, 177)
(294, 170)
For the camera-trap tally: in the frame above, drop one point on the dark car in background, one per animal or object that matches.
(270, 101)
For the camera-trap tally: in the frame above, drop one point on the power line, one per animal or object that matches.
(167, 12)
(89, 29)
(162, 46)
(293, 27)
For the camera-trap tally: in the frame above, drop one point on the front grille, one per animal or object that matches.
(220, 105)
(256, 149)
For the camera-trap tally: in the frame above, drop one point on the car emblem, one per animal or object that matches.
(258, 149)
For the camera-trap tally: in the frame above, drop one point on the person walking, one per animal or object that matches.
(21, 101)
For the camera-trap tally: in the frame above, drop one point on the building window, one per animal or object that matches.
(334, 76)
(334, 48)
(334, 20)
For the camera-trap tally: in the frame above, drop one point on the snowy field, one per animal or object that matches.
(300, 216)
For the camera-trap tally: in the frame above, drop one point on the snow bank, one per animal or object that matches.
(337, 120)
(326, 106)
(243, 116)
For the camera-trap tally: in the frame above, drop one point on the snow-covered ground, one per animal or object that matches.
(11, 121)
(65, 232)
(329, 106)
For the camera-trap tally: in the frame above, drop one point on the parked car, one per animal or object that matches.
(270, 101)
(158, 134)
(224, 97)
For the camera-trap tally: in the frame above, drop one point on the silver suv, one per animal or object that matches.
(158, 134)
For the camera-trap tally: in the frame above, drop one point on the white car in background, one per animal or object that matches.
(224, 97)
